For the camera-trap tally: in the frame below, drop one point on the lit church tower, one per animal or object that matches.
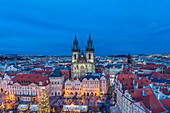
(82, 65)
(75, 50)
(90, 50)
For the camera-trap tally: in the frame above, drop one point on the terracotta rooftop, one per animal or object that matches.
(26, 79)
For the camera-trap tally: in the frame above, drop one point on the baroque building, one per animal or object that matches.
(82, 64)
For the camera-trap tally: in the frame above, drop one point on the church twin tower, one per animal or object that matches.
(81, 64)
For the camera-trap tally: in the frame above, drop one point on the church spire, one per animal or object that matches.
(90, 46)
(75, 45)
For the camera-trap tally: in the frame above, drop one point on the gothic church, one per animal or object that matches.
(82, 65)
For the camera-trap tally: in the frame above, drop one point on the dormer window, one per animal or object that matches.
(40, 83)
(12, 82)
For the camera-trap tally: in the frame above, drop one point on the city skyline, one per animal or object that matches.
(48, 28)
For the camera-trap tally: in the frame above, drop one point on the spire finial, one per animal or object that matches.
(75, 37)
(89, 36)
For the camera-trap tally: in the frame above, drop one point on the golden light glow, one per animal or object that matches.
(7, 98)
(8, 106)
(72, 104)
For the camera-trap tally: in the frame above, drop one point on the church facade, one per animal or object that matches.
(82, 64)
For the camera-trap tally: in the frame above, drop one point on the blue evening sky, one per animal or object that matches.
(116, 26)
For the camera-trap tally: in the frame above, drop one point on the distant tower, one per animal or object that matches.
(129, 59)
(90, 50)
(75, 50)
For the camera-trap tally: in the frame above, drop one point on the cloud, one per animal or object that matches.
(161, 29)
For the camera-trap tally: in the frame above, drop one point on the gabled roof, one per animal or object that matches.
(94, 77)
(127, 76)
(166, 104)
(56, 73)
(26, 79)
(66, 73)
(149, 100)
(91, 76)
(143, 82)
(158, 75)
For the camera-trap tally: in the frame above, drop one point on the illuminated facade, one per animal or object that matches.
(73, 87)
(3, 83)
(94, 85)
(90, 85)
(27, 87)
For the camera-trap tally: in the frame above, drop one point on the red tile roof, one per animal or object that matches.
(149, 100)
(167, 71)
(153, 104)
(46, 72)
(127, 84)
(126, 76)
(166, 104)
(143, 82)
(26, 79)
(158, 75)
(105, 72)
(12, 74)
(137, 93)
(66, 73)
(165, 91)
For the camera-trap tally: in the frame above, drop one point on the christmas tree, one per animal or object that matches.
(43, 106)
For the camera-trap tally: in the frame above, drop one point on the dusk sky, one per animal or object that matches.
(117, 26)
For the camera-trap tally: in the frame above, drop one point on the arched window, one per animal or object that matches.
(52, 93)
(75, 56)
(89, 56)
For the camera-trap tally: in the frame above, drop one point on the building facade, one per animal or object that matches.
(27, 87)
(73, 86)
(57, 82)
(89, 85)
(94, 85)
(4, 83)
